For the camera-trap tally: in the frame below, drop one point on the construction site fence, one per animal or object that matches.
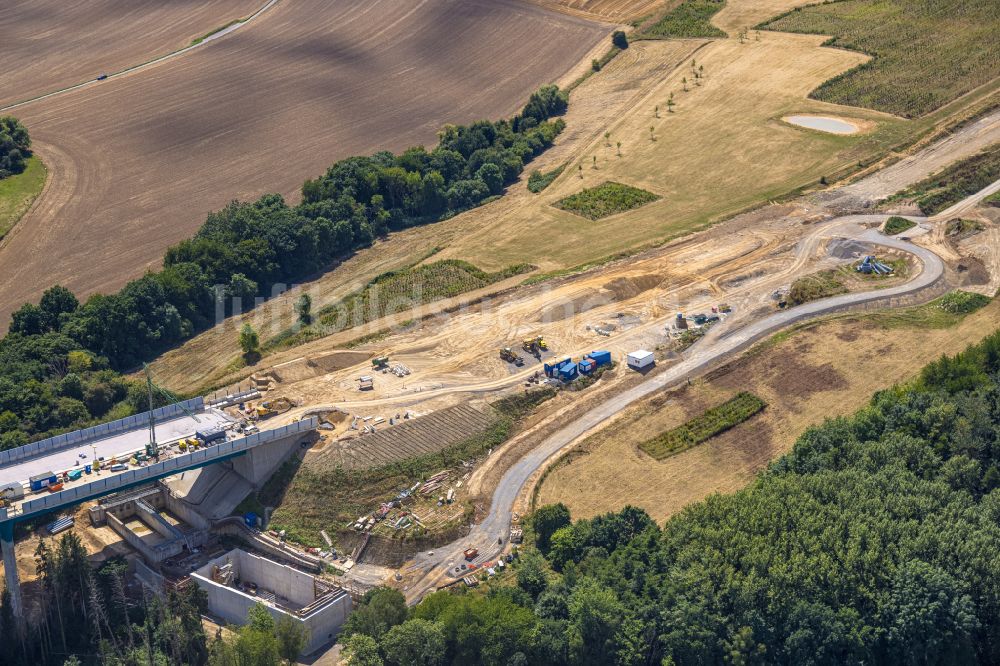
(154, 471)
(97, 432)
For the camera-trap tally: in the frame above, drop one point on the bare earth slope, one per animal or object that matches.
(137, 163)
(51, 44)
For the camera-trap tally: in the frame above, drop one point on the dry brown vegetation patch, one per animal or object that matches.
(824, 370)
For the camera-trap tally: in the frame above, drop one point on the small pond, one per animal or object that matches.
(823, 124)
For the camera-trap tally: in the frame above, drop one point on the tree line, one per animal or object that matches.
(873, 542)
(15, 146)
(60, 358)
(90, 615)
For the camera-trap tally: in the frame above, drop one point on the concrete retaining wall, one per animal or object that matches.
(232, 605)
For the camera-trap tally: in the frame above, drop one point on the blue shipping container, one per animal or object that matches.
(567, 371)
(552, 369)
(40, 481)
(250, 518)
(586, 366)
(601, 357)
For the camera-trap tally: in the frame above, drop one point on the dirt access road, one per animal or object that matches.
(138, 161)
(48, 45)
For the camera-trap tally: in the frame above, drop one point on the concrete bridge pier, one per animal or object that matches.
(10, 568)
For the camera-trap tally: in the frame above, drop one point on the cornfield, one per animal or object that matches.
(926, 53)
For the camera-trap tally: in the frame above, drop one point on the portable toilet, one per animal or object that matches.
(586, 366)
(640, 359)
(567, 371)
(600, 357)
(39, 481)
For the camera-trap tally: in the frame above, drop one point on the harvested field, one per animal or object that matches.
(610, 10)
(48, 45)
(822, 371)
(423, 435)
(138, 162)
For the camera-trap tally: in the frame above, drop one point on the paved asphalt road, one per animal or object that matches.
(710, 350)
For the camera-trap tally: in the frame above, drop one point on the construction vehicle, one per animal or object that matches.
(380, 362)
(507, 354)
(535, 345)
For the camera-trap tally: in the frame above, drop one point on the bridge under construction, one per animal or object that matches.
(69, 469)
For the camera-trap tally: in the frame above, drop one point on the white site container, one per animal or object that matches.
(640, 360)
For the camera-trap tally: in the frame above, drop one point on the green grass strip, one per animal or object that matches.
(704, 427)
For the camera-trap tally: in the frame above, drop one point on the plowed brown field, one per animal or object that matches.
(138, 162)
(610, 10)
(51, 44)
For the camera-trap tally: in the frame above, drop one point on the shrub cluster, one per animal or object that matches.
(15, 146)
(705, 426)
(606, 199)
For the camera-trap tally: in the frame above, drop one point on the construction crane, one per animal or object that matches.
(151, 449)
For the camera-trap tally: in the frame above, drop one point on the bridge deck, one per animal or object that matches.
(115, 445)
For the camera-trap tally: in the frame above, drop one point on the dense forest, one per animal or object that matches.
(15, 146)
(873, 542)
(59, 361)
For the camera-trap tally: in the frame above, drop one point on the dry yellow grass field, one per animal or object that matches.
(825, 370)
(722, 150)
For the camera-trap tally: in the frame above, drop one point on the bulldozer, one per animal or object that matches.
(507, 354)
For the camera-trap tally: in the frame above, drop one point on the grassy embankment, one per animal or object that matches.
(18, 192)
(392, 292)
(926, 53)
(956, 182)
(306, 501)
(705, 426)
(897, 225)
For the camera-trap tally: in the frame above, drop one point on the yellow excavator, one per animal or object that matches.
(535, 345)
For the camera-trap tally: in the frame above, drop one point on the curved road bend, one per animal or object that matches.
(496, 525)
